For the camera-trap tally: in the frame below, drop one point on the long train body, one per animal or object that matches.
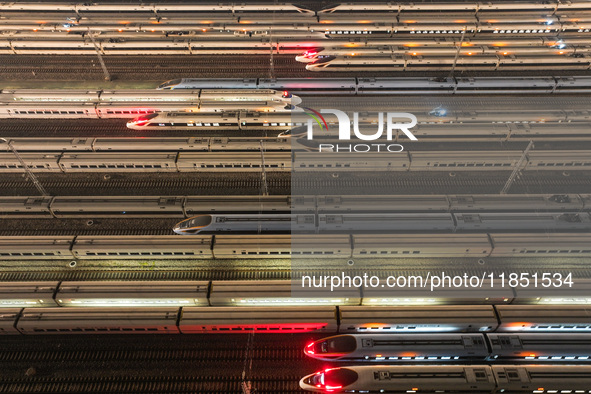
(302, 162)
(233, 121)
(486, 62)
(529, 19)
(437, 348)
(66, 103)
(379, 223)
(187, 206)
(393, 85)
(317, 246)
(567, 307)
(451, 379)
(185, 307)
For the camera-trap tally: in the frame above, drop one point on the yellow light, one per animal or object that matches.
(415, 388)
(499, 44)
(245, 22)
(352, 53)
(412, 44)
(124, 22)
(363, 21)
(504, 53)
(460, 21)
(409, 21)
(120, 30)
(326, 21)
(414, 53)
(203, 30)
(34, 29)
(492, 21)
(561, 52)
(350, 44)
(467, 44)
(153, 30)
(469, 53)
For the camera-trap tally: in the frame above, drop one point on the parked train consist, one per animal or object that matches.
(188, 206)
(379, 223)
(146, 144)
(485, 62)
(437, 348)
(267, 293)
(395, 85)
(451, 379)
(233, 121)
(302, 162)
(226, 246)
(479, 18)
(514, 319)
(64, 103)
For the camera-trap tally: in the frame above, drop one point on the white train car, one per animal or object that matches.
(142, 247)
(8, 317)
(421, 245)
(552, 244)
(537, 221)
(35, 247)
(268, 320)
(544, 318)
(417, 318)
(25, 207)
(114, 320)
(278, 293)
(132, 294)
(27, 295)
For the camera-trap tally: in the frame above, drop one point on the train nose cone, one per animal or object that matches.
(296, 100)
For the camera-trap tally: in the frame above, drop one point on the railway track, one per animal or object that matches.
(193, 363)
(228, 351)
(230, 183)
(164, 67)
(207, 185)
(222, 384)
(148, 272)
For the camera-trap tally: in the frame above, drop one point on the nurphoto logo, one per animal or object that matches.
(399, 121)
(345, 124)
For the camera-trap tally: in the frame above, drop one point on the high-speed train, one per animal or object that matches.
(451, 379)
(238, 120)
(384, 222)
(394, 85)
(70, 103)
(450, 347)
(425, 52)
(473, 61)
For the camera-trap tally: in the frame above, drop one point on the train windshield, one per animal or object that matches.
(332, 379)
(340, 344)
(168, 84)
(197, 221)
